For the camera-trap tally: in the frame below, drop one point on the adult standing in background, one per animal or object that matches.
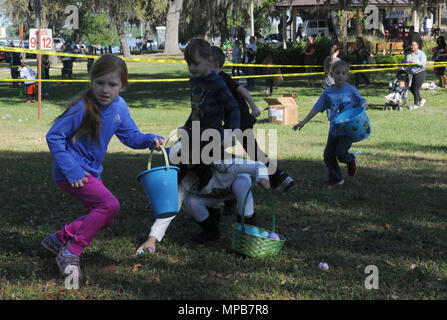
(90, 61)
(328, 62)
(236, 58)
(362, 54)
(440, 55)
(310, 59)
(250, 58)
(67, 63)
(412, 36)
(46, 64)
(15, 63)
(418, 72)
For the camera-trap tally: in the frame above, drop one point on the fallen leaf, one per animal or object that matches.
(213, 273)
(306, 228)
(413, 266)
(137, 266)
(390, 263)
(387, 226)
(111, 268)
(50, 283)
(295, 205)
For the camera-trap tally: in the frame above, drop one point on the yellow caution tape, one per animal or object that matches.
(229, 64)
(44, 80)
(76, 55)
(235, 77)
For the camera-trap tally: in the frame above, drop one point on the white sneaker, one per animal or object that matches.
(413, 107)
(421, 103)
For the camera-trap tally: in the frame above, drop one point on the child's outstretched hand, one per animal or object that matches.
(158, 143)
(80, 182)
(149, 244)
(255, 111)
(265, 183)
(365, 105)
(299, 125)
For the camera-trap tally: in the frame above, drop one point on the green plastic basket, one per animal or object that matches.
(251, 245)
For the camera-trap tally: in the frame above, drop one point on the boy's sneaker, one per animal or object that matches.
(421, 103)
(352, 167)
(412, 107)
(68, 264)
(210, 230)
(50, 244)
(332, 184)
(230, 207)
(286, 182)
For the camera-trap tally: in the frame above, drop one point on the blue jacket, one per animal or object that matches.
(73, 159)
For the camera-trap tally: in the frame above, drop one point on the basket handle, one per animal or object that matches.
(149, 163)
(245, 203)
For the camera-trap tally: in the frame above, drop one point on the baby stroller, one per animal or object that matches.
(397, 97)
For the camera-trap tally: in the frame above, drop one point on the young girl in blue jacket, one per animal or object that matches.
(78, 141)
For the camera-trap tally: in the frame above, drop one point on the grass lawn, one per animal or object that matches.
(391, 215)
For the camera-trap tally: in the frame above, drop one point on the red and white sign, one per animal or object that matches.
(46, 39)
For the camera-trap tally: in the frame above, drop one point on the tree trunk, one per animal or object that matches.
(345, 30)
(284, 29)
(147, 32)
(415, 19)
(358, 23)
(293, 15)
(123, 39)
(172, 24)
(224, 34)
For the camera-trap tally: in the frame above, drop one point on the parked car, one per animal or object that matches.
(315, 27)
(81, 47)
(273, 38)
(3, 54)
(58, 43)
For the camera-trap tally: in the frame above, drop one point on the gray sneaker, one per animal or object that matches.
(49, 244)
(68, 264)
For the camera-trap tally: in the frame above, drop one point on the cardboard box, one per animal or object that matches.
(283, 110)
(444, 81)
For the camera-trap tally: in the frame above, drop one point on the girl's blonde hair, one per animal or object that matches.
(91, 124)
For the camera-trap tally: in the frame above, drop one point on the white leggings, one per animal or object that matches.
(196, 206)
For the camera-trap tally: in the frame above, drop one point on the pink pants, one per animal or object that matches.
(103, 207)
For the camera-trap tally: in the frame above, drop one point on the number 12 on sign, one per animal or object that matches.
(46, 42)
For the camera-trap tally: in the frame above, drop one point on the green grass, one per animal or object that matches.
(391, 215)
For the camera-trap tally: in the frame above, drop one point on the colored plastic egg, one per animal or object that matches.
(264, 234)
(273, 236)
